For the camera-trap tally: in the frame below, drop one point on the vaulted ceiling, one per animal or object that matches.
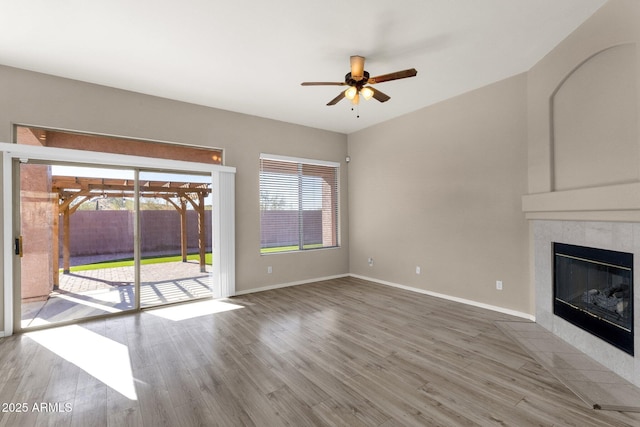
(250, 56)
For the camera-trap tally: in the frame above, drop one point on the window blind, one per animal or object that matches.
(298, 204)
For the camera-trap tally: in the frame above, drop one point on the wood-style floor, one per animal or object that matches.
(337, 353)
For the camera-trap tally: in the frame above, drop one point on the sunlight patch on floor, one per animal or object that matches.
(106, 360)
(194, 309)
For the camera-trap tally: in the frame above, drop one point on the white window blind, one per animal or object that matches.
(298, 204)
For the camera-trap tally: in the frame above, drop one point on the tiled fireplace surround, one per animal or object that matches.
(617, 236)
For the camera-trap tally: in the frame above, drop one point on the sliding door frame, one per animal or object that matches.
(223, 218)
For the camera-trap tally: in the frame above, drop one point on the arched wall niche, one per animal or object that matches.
(594, 135)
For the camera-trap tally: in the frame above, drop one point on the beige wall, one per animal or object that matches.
(47, 101)
(583, 116)
(440, 188)
(594, 134)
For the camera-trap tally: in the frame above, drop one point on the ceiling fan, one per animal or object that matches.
(358, 78)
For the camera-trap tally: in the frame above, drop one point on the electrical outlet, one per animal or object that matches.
(499, 285)
(269, 270)
(370, 261)
(418, 270)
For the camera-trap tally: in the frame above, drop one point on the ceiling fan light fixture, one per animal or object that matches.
(351, 93)
(367, 93)
(356, 99)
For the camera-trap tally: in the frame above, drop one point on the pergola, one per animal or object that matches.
(74, 191)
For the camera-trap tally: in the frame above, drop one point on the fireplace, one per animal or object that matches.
(593, 289)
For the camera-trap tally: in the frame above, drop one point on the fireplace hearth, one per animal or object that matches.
(593, 289)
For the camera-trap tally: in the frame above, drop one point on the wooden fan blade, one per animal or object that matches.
(337, 99)
(382, 97)
(411, 72)
(357, 67)
(323, 83)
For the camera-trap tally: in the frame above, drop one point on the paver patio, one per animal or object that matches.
(109, 290)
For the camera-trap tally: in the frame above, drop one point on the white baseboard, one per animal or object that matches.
(286, 285)
(450, 298)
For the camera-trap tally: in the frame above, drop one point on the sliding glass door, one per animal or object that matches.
(94, 241)
(75, 242)
(175, 237)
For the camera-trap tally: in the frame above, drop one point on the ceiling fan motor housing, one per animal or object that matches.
(357, 83)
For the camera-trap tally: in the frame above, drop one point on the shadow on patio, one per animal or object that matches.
(110, 290)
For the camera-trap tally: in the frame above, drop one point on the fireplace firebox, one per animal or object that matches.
(593, 289)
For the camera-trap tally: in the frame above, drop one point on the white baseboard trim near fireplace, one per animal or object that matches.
(450, 298)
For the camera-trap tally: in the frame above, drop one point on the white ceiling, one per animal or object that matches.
(250, 56)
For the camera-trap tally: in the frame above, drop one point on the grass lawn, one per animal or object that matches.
(144, 261)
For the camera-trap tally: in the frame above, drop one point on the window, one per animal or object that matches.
(298, 204)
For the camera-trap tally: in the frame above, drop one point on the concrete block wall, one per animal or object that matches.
(104, 232)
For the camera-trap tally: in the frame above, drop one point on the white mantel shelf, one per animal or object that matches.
(620, 202)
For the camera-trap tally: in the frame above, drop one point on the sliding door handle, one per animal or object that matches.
(18, 246)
